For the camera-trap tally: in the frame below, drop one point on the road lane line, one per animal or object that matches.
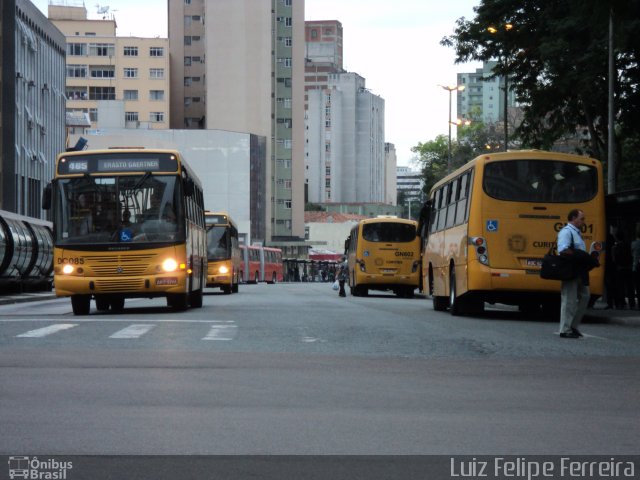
(43, 332)
(222, 332)
(132, 331)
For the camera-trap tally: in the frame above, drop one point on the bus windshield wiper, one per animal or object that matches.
(140, 182)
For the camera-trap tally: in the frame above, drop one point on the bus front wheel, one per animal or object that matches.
(81, 304)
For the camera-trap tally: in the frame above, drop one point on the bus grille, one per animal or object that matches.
(119, 264)
(120, 285)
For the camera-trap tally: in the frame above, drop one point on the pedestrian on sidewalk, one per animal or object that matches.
(575, 292)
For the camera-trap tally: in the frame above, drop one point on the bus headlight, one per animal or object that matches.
(67, 269)
(169, 265)
(223, 269)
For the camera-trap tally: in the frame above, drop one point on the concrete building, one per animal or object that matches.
(345, 148)
(32, 116)
(250, 70)
(391, 177)
(329, 230)
(483, 98)
(101, 66)
(410, 184)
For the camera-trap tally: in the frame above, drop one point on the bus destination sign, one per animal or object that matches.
(117, 164)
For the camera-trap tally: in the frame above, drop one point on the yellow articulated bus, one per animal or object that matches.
(127, 223)
(384, 254)
(487, 226)
(223, 249)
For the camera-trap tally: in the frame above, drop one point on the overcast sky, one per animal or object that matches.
(394, 45)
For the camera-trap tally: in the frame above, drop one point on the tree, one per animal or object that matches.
(432, 158)
(555, 57)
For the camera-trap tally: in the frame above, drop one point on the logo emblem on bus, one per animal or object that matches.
(119, 269)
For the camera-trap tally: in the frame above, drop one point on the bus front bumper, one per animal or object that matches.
(143, 286)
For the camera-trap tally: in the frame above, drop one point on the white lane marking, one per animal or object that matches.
(132, 331)
(43, 332)
(222, 332)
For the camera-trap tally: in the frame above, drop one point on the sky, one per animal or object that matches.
(393, 45)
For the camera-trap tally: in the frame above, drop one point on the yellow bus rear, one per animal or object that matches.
(384, 254)
(492, 221)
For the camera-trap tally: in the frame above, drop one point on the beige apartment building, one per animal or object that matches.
(101, 66)
(238, 65)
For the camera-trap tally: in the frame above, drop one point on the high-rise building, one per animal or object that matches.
(345, 148)
(102, 67)
(483, 97)
(250, 74)
(32, 115)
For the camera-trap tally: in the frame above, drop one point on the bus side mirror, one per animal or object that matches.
(346, 245)
(46, 197)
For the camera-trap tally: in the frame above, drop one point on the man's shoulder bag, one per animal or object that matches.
(557, 267)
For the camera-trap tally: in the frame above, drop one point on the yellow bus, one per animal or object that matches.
(384, 254)
(488, 225)
(127, 223)
(223, 250)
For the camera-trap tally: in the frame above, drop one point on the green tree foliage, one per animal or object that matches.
(555, 54)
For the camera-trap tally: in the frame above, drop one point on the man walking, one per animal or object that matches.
(575, 292)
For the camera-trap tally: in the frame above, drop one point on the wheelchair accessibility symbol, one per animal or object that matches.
(126, 235)
(492, 225)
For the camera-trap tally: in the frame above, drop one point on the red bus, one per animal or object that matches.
(261, 264)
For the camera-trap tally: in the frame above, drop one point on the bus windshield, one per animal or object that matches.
(218, 246)
(115, 209)
(541, 181)
(389, 232)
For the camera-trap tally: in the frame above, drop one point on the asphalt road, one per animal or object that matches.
(294, 369)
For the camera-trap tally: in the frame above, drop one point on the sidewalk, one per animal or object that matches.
(9, 298)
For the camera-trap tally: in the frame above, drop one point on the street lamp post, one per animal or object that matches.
(493, 31)
(450, 89)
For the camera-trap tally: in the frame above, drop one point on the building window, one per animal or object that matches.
(196, 60)
(187, 101)
(156, 117)
(76, 49)
(157, 95)
(130, 116)
(314, 33)
(102, 93)
(93, 115)
(287, 144)
(76, 71)
(187, 39)
(130, 51)
(187, 61)
(187, 81)
(288, 41)
(196, 99)
(103, 71)
(76, 93)
(327, 182)
(102, 49)
(287, 184)
(287, 204)
(131, 94)
(156, 73)
(288, 22)
(130, 73)
(156, 52)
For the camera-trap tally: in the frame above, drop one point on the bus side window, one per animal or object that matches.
(461, 206)
(442, 210)
(435, 208)
(451, 204)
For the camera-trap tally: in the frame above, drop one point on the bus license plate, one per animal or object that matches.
(388, 270)
(534, 262)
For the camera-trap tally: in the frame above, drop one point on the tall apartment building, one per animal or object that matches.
(249, 74)
(32, 129)
(102, 67)
(345, 149)
(391, 178)
(324, 53)
(483, 97)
